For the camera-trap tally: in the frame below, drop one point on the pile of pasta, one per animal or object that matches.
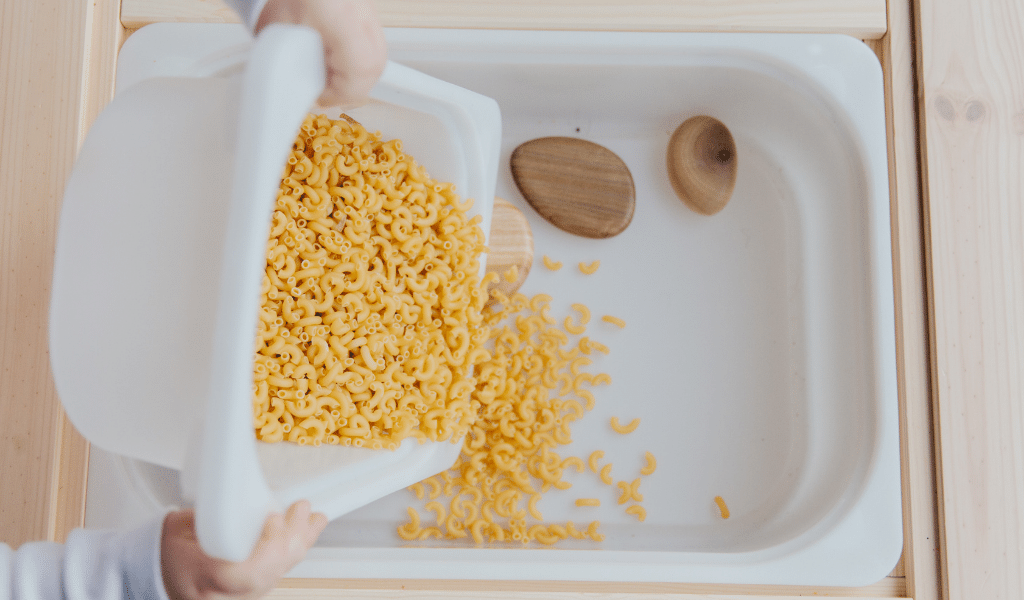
(371, 328)
(531, 389)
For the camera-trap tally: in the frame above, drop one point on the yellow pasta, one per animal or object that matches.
(588, 502)
(595, 456)
(614, 321)
(370, 327)
(573, 329)
(637, 510)
(528, 390)
(722, 508)
(552, 264)
(438, 509)
(627, 428)
(584, 313)
(629, 491)
(512, 274)
(651, 465)
(591, 268)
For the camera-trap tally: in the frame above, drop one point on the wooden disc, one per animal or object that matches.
(510, 245)
(702, 164)
(579, 186)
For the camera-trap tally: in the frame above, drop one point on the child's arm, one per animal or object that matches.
(161, 560)
(92, 564)
(354, 48)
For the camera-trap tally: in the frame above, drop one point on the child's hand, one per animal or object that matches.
(189, 574)
(354, 47)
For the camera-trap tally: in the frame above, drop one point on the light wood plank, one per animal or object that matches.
(890, 587)
(920, 561)
(489, 595)
(42, 52)
(859, 18)
(973, 111)
(99, 65)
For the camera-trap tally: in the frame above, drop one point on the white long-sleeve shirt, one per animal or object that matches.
(92, 565)
(96, 565)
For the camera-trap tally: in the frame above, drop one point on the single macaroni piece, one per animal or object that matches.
(722, 508)
(595, 456)
(628, 428)
(438, 509)
(629, 491)
(591, 268)
(637, 510)
(573, 329)
(606, 474)
(584, 312)
(588, 502)
(553, 265)
(512, 274)
(651, 465)
(614, 321)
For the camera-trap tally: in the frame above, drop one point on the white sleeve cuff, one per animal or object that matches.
(115, 564)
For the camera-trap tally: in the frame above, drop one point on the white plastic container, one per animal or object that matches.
(759, 348)
(160, 253)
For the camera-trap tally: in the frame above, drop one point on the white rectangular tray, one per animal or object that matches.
(759, 347)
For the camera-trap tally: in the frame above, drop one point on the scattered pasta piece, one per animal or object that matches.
(588, 502)
(637, 510)
(591, 268)
(417, 488)
(606, 474)
(595, 456)
(553, 265)
(614, 321)
(651, 465)
(512, 274)
(584, 312)
(573, 329)
(629, 491)
(628, 428)
(722, 508)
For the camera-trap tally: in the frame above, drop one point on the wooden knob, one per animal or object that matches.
(702, 164)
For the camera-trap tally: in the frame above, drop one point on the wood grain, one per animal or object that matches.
(859, 18)
(419, 589)
(973, 119)
(51, 52)
(578, 186)
(510, 245)
(701, 161)
(920, 561)
(99, 65)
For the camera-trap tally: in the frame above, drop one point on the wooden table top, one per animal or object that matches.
(956, 126)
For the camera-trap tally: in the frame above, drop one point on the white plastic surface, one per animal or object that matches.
(160, 252)
(759, 348)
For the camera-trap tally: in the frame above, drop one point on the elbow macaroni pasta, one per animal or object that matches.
(651, 465)
(371, 325)
(624, 429)
(552, 265)
(614, 321)
(589, 269)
